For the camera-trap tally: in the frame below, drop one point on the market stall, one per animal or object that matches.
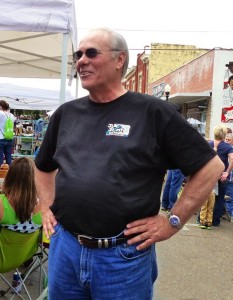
(37, 40)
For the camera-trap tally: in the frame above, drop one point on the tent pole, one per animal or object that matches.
(64, 67)
(77, 88)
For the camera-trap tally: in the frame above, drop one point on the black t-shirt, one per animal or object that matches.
(112, 158)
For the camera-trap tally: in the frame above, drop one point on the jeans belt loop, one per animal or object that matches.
(114, 242)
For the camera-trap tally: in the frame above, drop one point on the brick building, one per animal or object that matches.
(196, 78)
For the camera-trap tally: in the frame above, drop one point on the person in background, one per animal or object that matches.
(39, 126)
(5, 145)
(19, 205)
(19, 192)
(229, 130)
(229, 139)
(229, 188)
(206, 212)
(225, 152)
(207, 209)
(172, 187)
(99, 175)
(173, 184)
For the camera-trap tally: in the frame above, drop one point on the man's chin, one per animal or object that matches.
(86, 83)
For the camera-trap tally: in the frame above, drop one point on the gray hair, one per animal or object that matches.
(229, 135)
(118, 44)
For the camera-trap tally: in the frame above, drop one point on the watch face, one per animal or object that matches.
(174, 221)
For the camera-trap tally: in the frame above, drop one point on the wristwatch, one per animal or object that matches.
(174, 221)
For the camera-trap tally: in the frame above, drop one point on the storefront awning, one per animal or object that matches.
(189, 97)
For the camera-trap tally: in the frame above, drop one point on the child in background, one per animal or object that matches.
(19, 213)
(206, 212)
(19, 204)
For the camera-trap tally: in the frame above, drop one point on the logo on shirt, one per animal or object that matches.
(118, 130)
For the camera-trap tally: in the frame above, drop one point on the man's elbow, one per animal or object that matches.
(218, 165)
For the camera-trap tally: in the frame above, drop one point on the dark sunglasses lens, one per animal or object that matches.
(79, 54)
(91, 53)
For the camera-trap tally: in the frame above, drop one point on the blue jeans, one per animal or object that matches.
(6, 150)
(79, 273)
(229, 201)
(219, 203)
(172, 187)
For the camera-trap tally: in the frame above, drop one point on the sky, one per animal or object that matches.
(201, 23)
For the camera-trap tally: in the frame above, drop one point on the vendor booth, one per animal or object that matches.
(37, 40)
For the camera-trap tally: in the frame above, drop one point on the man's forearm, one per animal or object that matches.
(197, 189)
(230, 167)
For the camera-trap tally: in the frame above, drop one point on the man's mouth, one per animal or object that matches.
(84, 73)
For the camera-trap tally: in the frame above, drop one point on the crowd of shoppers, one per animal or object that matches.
(220, 200)
(225, 152)
(174, 181)
(229, 188)
(212, 212)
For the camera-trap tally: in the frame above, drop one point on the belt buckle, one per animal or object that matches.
(100, 242)
(83, 236)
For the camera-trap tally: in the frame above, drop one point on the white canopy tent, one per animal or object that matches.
(37, 40)
(28, 98)
(193, 121)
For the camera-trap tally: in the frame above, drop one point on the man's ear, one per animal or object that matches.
(120, 60)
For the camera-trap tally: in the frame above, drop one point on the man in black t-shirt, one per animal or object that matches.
(99, 176)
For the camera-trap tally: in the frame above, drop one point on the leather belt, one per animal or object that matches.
(95, 243)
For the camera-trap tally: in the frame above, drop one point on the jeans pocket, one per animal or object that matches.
(130, 252)
(54, 238)
(57, 229)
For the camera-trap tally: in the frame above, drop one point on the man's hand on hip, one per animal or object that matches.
(150, 230)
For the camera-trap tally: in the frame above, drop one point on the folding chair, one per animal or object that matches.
(45, 249)
(15, 249)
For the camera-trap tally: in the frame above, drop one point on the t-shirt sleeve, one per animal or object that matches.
(185, 147)
(230, 150)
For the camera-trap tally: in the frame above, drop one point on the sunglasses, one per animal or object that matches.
(90, 53)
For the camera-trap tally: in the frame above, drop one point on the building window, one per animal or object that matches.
(140, 83)
(133, 85)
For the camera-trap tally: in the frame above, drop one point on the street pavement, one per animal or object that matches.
(34, 286)
(196, 264)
